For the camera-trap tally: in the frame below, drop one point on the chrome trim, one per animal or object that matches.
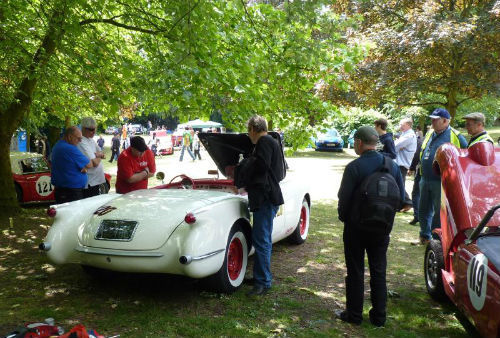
(109, 252)
(189, 258)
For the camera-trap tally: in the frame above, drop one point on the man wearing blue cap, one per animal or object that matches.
(430, 183)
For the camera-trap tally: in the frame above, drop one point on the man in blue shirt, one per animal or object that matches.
(357, 241)
(430, 182)
(69, 167)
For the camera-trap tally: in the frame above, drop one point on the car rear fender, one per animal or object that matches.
(209, 234)
(68, 222)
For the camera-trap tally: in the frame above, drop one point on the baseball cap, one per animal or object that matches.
(138, 143)
(479, 117)
(367, 134)
(440, 113)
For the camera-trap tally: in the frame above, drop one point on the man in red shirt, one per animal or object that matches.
(135, 165)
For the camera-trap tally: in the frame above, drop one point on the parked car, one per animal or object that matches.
(329, 141)
(111, 130)
(197, 227)
(463, 264)
(136, 129)
(31, 174)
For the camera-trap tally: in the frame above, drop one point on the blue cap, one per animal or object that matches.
(440, 113)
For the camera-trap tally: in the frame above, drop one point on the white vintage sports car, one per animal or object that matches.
(199, 228)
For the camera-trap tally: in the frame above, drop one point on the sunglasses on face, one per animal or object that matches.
(90, 129)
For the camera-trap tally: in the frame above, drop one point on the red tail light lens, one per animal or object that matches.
(51, 212)
(190, 218)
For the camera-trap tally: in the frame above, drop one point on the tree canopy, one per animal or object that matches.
(63, 59)
(437, 53)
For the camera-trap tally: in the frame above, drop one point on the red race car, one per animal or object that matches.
(464, 264)
(31, 174)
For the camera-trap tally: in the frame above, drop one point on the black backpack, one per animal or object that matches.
(376, 201)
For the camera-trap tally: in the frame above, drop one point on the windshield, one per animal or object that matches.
(34, 165)
(330, 133)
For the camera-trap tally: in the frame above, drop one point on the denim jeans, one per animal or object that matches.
(188, 150)
(261, 240)
(429, 207)
(415, 196)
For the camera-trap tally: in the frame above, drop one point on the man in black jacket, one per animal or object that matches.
(357, 240)
(264, 199)
(386, 142)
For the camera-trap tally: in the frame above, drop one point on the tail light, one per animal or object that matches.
(190, 218)
(51, 212)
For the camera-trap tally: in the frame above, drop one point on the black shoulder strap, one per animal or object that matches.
(386, 165)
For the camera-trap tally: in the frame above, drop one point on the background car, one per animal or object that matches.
(136, 129)
(31, 174)
(463, 264)
(329, 141)
(200, 228)
(111, 130)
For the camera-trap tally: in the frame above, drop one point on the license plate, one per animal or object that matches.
(116, 230)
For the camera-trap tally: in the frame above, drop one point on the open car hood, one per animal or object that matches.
(225, 149)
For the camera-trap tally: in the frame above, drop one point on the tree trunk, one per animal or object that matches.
(451, 103)
(17, 110)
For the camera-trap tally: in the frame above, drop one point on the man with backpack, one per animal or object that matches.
(371, 192)
(266, 169)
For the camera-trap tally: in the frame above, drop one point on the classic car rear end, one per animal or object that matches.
(464, 263)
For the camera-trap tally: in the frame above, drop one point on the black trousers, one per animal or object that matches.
(113, 153)
(355, 245)
(64, 195)
(197, 153)
(91, 191)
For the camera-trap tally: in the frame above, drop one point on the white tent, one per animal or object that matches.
(199, 124)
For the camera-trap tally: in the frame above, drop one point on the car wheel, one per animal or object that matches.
(230, 276)
(433, 265)
(299, 235)
(19, 193)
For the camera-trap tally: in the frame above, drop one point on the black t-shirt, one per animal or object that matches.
(264, 188)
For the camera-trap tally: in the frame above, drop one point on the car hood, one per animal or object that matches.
(225, 149)
(156, 212)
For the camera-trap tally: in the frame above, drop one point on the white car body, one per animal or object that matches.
(216, 244)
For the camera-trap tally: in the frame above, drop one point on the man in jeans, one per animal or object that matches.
(264, 199)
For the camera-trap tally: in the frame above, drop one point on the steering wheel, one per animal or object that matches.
(186, 181)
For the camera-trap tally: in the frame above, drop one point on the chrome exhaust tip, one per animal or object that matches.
(185, 260)
(44, 246)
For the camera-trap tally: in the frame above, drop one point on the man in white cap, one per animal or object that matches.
(93, 152)
(474, 123)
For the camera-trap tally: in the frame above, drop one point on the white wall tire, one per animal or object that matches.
(232, 273)
(299, 235)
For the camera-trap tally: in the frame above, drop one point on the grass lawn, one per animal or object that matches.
(309, 285)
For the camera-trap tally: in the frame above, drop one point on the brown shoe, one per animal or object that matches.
(424, 241)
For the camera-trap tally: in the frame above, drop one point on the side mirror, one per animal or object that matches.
(160, 175)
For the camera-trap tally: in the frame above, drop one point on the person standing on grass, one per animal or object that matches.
(115, 147)
(89, 147)
(264, 199)
(474, 123)
(430, 182)
(359, 238)
(136, 165)
(405, 146)
(386, 142)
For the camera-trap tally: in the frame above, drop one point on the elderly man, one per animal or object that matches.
(474, 123)
(264, 199)
(69, 167)
(93, 152)
(359, 239)
(405, 145)
(430, 182)
(135, 165)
